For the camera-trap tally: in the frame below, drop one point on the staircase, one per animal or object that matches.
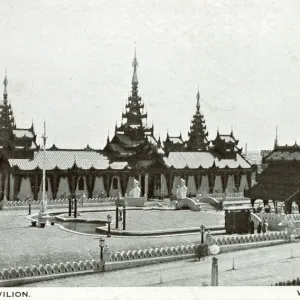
(206, 206)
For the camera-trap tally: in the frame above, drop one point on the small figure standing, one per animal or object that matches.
(264, 227)
(252, 227)
(259, 228)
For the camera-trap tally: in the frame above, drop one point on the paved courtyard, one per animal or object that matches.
(144, 220)
(22, 245)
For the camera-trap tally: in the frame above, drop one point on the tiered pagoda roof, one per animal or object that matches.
(226, 146)
(281, 178)
(198, 135)
(14, 142)
(134, 138)
(174, 143)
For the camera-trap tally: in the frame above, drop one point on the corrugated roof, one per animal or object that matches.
(286, 155)
(19, 133)
(227, 138)
(194, 160)
(65, 160)
(176, 140)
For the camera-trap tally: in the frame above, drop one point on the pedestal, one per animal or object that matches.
(43, 219)
(135, 201)
(214, 272)
(106, 254)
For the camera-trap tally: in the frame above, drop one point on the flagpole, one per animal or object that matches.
(43, 215)
(44, 163)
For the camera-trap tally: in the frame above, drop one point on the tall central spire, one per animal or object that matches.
(135, 80)
(5, 82)
(198, 100)
(198, 135)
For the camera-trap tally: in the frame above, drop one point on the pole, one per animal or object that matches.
(214, 272)
(29, 209)
(124, 217)
(44, 162)
(101, 253)
(70, 206)
(75, 206)
(117, 215)
(108, 232)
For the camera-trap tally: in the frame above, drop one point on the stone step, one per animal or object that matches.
(206, 206)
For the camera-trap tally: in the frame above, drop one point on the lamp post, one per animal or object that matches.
(29, 205)
(108, 221)
(75, 206)
(70, 206)
(117, 213)
(101, 245)
(202, 231)
(124, 216)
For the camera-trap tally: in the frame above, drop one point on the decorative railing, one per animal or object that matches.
(135, 255)
(222, 195)
(250, 238)
(56, 202)
(51, 269)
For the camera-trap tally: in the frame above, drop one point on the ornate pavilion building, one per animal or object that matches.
(133, 152)
(280, 178)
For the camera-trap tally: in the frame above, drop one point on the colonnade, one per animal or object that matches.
(100, 185)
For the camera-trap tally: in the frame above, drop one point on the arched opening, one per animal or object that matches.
(115, 183)
(46, 185)
(81, 184)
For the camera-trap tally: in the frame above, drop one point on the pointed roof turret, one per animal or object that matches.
(135, 80)
(5, 83)
(276, 139)
(198, 101)
(198, 136)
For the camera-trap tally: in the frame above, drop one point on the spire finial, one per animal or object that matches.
(198, 100)
(276, 138)
(135, 65)
(5, 82)
(108, 137)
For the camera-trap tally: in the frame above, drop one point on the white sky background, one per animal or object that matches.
(69, 63)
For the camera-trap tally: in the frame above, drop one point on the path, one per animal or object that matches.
(255, 267)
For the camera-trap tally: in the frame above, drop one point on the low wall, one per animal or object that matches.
(251, 238)
(57, 203)
(275, 219)
(135, 258)
(135, 202)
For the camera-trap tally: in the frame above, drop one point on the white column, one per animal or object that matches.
(230, 184)
(25, 188)
(218, 184)
(63, 188)
(244, 183)
(204, 187)
(98, 186)
(191, 185)
(146, 185)
(176, 182)
(11, 186)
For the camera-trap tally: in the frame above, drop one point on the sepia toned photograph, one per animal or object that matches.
(149, 144)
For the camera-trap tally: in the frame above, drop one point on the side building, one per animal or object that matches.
(280, 179)
(133, 152)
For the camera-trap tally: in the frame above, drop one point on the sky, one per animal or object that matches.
(70, 63)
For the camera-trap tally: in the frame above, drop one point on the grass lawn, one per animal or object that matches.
(22, 245)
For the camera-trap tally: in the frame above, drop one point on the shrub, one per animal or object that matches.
(294, 282)
(201, 251)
